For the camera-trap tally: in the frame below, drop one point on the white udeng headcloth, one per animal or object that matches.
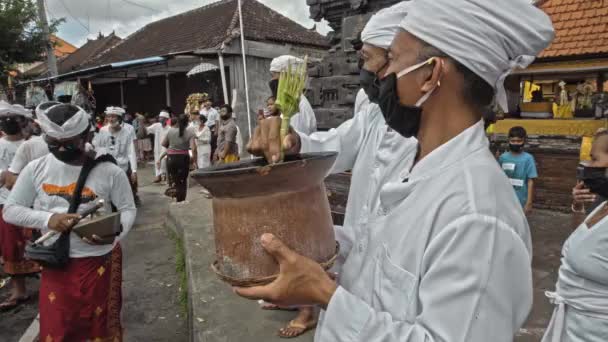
(76, 125)
(9, 109)
(164, 114)
(490, 38)
(280, 63)
(114, 111)
(383, 26)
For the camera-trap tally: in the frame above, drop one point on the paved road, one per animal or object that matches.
(151, 309)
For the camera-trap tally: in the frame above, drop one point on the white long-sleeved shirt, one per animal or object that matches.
(120, 145)
(374, 153)
(30, 150)
(160, 133)
(304, 121)
(45, 186)
(445, 255)
(8, 150)
(581, 294)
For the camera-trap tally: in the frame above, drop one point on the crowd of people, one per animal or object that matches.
(435, 244)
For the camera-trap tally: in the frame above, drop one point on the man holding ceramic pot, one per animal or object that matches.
(445, 253)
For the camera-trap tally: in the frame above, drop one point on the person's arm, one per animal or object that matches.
(21, 158)
(165, 142)
(230, 141)
(194, 149)
(17, 208)
(132, 156)
(532, 174)
(530, 201)
(122, 198)
(347, 139)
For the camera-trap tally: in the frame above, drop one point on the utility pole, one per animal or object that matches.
(50, 53)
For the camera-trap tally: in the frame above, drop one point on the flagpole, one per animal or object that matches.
(245, 69)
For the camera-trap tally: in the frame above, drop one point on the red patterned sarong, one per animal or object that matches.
(82, 302)
(13, 240)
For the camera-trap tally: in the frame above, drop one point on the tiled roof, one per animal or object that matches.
(209, 26)
(90, 50)
(62, 48)
(581, 27)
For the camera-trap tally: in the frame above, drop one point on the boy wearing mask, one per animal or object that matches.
(520, 167)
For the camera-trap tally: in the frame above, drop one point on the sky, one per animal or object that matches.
(86, 18)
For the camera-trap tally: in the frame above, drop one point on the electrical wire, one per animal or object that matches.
(140, 5)
(73, 17)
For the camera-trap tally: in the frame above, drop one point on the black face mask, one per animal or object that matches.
(70, 152)
(274, 87)
(595, 179)
(516, 147)
(405, 120)
(370, 84)
(66, 156)
(11, 126)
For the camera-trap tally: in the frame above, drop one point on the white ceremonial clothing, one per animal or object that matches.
(374, 153)
(304, 121)
(8, 149)
(29, 151)
(361, 101)
(581, 295)
(445, 256)
(160, 133)
(119, 145)
(203, 146)
(212, 115)
(45, 186)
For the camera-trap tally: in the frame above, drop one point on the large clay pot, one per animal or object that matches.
(251, 198)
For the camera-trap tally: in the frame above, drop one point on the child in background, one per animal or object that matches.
(520, 167)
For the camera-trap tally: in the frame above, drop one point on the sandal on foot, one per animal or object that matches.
(273, 307)
(294, 329)
(10, 304)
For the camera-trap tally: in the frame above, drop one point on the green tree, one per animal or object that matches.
(21, 37)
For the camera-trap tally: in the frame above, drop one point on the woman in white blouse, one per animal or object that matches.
(581, 294)
(203, 141)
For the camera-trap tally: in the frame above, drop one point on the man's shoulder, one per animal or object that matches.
(528, 157)
(39, 163)
(107, 168)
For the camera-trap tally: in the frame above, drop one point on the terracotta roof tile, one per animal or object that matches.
(207, 27)
(85, 54)
(581, 27)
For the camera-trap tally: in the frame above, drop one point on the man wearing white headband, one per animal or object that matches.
(446, 255)
(304, 121)
(160, 130)
(117, 138)
(13, 239)
(32, 149)
(364, 143)
(75, 301)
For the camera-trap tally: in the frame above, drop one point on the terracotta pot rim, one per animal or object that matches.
(253, 165)
(250, 282)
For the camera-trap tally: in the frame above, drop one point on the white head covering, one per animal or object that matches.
(280, 63)
(115, 111)
(491, 38)
(76, 125)
(164, 114)
(9, 109)
(383, 26)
